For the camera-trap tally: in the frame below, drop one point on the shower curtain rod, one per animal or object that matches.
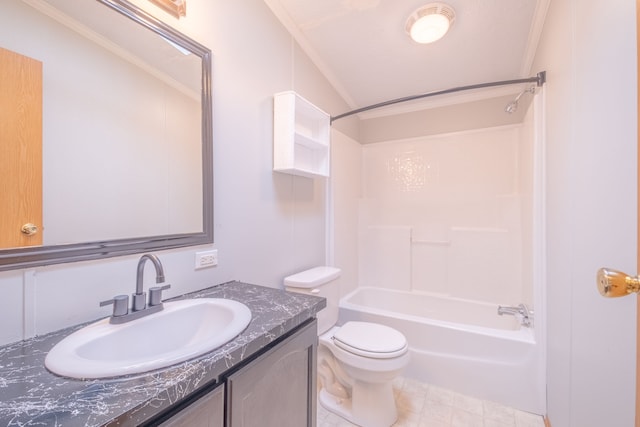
(539, 79)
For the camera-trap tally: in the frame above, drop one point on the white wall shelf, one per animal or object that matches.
(301, 141)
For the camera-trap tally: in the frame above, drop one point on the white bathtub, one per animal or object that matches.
(457, 344)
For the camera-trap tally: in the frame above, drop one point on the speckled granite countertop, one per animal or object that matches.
(32, 396)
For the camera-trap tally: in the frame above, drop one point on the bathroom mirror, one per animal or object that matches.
(126, 131)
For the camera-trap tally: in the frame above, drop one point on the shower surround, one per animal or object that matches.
(448, 229)
(450, 215)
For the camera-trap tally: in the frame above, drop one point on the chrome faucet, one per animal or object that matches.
(139, 307)
(521, 311)
(139, 298)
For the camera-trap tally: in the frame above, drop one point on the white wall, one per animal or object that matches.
(346, 191)
(591, 208)
(529, 179)
(266, 225)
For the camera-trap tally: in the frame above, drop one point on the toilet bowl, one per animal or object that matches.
(364, 369)
(358, 361)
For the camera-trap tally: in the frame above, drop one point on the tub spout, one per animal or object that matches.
(521, 311)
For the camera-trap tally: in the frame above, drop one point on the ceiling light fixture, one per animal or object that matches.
(430, 22)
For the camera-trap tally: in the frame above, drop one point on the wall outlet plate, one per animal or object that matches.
(206, 259)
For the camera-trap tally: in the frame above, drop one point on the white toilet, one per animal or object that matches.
(358, 361)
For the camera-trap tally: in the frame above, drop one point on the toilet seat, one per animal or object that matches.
(370, 340)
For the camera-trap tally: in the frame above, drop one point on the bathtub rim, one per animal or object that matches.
(523, 334)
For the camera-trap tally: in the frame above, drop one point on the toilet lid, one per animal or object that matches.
(370, 340)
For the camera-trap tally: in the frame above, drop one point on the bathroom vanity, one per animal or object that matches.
(264, 377)
(277, 389)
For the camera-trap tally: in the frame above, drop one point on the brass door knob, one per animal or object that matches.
(612, 283)
(29, 229)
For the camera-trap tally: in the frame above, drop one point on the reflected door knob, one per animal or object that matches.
(612, 283)
(29, 229)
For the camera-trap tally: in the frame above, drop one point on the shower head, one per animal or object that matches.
(512, 107)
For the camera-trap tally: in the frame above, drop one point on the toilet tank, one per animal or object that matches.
(323, 282)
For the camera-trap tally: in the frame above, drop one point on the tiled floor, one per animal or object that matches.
(422, 405)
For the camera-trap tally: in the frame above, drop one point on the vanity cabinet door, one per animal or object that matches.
(278, 389)
(207, 411)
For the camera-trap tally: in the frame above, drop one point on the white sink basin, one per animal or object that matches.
(181, 331)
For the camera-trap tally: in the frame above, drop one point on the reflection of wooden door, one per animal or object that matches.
(20, 149)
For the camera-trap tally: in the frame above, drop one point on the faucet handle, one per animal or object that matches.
(138, 301)
(120, 305)
(155, 294)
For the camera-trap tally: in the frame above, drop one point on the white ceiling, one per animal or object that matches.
(362, 48)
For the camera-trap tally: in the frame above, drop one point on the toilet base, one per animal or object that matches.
(374, 405)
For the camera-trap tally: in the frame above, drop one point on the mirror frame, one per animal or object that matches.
(34, 256)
